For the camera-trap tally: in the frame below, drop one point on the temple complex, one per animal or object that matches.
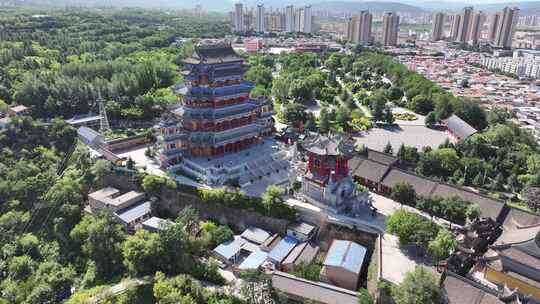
(327, 182)
(215, 117)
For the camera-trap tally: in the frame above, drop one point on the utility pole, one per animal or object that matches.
(104, 121)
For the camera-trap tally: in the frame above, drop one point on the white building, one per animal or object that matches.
(260, 25)
(239, 17)
(289, 19)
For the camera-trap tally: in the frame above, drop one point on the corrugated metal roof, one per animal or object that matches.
(88, 134)
(134, 212)
(283, 248)
(346, 254)
(157, 223)
(256, 235)
(230, 248)
(254, 260)
(303, 228)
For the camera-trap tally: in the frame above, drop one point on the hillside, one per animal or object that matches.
(342, 7)
(527, 8)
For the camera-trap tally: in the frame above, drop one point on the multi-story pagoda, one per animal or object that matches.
(327, 181)
(215, 115)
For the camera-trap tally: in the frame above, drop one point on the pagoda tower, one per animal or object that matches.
(327, 181)
(215, 114)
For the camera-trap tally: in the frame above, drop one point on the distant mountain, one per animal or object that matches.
(343, 7)
(333, 6)
(526, 7)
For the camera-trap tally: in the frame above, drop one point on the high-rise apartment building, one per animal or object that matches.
(464, 25)
(455, 27)
(438, 27)
(299, 20)
(239, 17)
(506, 27)
(494, 26)
(476, 27)
(358, 28)
(289, 19)
(260, 25)
(308, 20)
(390, 29)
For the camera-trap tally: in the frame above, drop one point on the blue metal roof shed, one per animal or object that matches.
(282, 249)
(254, 260)
(347, 255)
(229, 250)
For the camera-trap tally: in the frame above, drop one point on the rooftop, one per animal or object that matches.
(213, 53)
(134, 212)
(157, 223)
(129, 196)
(230, 248)
(255, 235)
(104, 193)
(332, 145)
(254, 260)
(302, 228)
(459, 127)
(79, 119)
(316, 291)
(88, 134)
(347, 255)
(461, 290)
(282, 249)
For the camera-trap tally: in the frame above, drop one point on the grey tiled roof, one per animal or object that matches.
(371, 170)
(459, 127)
(213, 53)
(328, 145)
(460, 290)
(381, 157)
(423, 186)
(489, 207)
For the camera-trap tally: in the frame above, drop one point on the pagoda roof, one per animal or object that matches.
(221, 52)
(332, 145)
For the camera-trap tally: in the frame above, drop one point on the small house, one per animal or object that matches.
(301, 231)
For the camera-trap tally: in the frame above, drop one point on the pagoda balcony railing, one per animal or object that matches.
(236, 132)
(174, 137)
(244, 86)
(215, 98)
(236, 138)
(169, 153)
(219, 113)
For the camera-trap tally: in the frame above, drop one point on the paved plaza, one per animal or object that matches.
(408, 134)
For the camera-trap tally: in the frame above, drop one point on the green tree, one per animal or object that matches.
(155, 184)
(100, 239)
(388, 148)
(272, 197)
(388, 116)
(472, 211)
(364, 297)
(411, 228)
(420, 104)
(404, 194)
(419, 287)
(101, 168)
(310, 271)
(324, 121)
(142, 253)
(431, 119)
(442, 245)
